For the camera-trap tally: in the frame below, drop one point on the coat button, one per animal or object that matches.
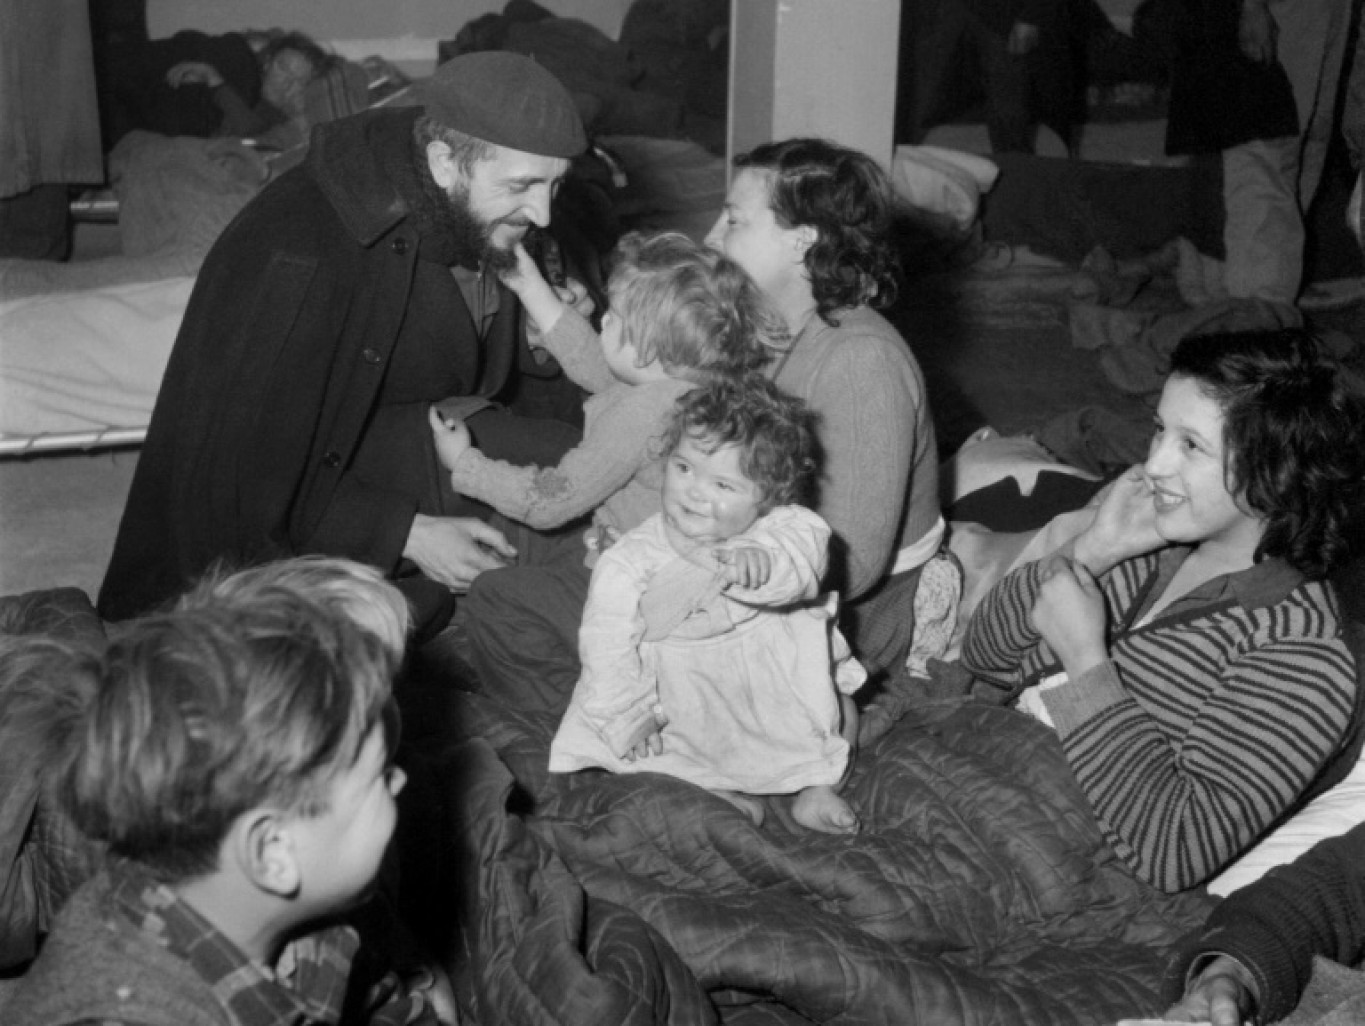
(370, 354)
(399, 246)
(332, 459)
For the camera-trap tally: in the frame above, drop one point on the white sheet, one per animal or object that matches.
(86, 361)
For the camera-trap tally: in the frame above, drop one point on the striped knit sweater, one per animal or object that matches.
(1205, 725)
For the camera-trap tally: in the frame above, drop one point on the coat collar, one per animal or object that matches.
(350, 159)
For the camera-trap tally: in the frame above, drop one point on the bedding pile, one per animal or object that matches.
(978, 889)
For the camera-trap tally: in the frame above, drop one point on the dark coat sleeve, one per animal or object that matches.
(266, 394)
(1315, 905)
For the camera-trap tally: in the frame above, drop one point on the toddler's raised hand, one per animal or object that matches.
(746, 566)
(452, 438)
(539, 297)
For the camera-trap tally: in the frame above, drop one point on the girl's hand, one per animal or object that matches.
(745, 566)
(1124, 525)
(651, 743)
(1070, 615)
(452, 438)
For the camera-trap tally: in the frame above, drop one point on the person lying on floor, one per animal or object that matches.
(1288, 936)
(238, 84)
(708, 649)
(1185, 645)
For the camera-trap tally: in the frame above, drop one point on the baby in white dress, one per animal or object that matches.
(708, 651)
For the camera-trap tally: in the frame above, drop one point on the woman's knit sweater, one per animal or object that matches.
(879, 459)
(1205, 724)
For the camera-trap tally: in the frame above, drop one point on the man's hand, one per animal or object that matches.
(451, 436)
(746, 566)
(193, 73)
(1023, 38)
(1224, 994)
(455, 550)
(1257, 32)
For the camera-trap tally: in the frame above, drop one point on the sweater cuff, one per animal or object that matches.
(1261, 952)
(1082, 698)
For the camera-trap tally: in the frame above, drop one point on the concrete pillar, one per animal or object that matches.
(814, 67)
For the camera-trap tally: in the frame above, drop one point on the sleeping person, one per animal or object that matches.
(708, 650)
(238, 84)
(1185, 645)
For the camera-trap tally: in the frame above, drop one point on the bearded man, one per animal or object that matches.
(349, 295)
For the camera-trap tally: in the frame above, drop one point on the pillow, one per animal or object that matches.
(1330, 814)
(1340, 807)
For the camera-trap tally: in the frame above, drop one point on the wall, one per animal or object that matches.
(814, 67)
(403, 31)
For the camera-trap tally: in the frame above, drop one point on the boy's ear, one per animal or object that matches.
(266, 852)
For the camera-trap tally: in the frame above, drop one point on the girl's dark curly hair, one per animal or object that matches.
(774, 431)
(849, 201)
(1292, 437)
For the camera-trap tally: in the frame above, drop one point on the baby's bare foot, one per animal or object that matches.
(820, 808)
(745, 803)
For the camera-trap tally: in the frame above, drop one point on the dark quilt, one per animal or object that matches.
(978, 891)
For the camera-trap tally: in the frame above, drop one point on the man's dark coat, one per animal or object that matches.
(275, 373)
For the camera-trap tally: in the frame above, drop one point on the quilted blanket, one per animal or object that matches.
(979, 889)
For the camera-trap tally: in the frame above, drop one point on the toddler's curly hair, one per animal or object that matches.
(774, 431)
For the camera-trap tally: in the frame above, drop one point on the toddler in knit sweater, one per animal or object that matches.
(679, 315)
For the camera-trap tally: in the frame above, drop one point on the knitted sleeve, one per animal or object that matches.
(620, 439)
(1242, 710)
(1001, 632)
(574, 344)
(1315, 905)
(1198, 732)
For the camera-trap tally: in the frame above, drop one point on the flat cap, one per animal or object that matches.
(507, 99)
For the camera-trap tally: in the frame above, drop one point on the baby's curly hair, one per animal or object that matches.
(774, 431)
(694, 310)
(1292, 437)
(849, 200)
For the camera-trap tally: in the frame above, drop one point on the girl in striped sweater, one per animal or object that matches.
(1186, 645)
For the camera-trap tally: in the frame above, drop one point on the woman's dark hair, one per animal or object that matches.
(774, 431)
(848, 199)
(1292, 437)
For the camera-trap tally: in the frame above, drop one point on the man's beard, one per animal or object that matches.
(472, 236)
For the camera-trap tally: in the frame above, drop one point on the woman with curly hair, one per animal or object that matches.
(1186, 645)
(810, 221)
